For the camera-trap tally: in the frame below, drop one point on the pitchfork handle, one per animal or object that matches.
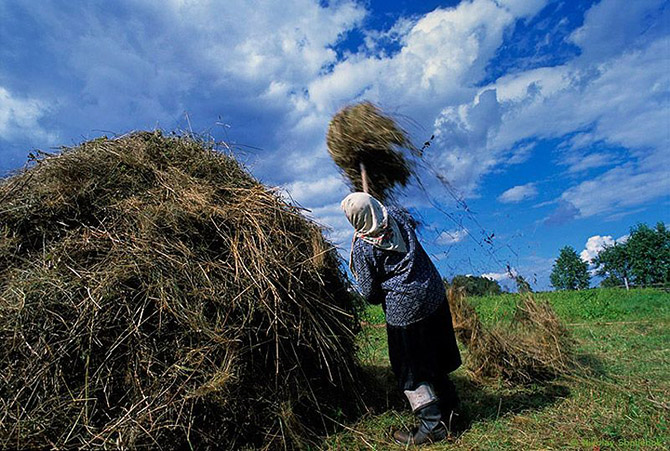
(364, 179)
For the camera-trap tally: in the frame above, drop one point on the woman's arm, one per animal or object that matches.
(368, 282)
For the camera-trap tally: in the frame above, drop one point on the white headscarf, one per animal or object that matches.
(372, 222)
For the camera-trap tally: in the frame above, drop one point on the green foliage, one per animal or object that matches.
(614, 263)
(649, 254)
(644, 259)
(610, 282)
(569, 271)
(476, 285)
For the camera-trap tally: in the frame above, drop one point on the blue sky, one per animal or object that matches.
(551, 118)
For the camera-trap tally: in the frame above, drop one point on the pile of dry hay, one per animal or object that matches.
(536, 347)
(360, 133)
(153, 294)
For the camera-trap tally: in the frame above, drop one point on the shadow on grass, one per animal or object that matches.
(488, 403)
(479, 402)
(590, 366)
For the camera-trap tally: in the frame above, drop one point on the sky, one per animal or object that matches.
(551, 119)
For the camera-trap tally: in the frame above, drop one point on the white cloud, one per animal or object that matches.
(594, 245)
(340, 231)
(20, 116)
(518, 193)
(272, 70)
(577, 98)
(269, 41)
(465, 131)
(521, 153)
(622, 102)
(581, 162)
(452, 237)
(246, 63)
(621, 188)
(611, 25)
(441, 56)
(597, 243)
(317, 192)
(499, 276)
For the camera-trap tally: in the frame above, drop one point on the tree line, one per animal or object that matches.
(642, 260)
(483, 286)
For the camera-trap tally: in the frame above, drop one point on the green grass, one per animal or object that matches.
(623, 337)
(608, 304)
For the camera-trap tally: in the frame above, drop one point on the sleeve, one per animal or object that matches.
(368, 283)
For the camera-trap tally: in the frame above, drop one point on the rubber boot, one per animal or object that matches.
(431, 428)
(446, 392)
(450, 404)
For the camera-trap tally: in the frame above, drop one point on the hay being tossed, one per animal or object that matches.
(153, 294)
(536, 347)
(361, 133)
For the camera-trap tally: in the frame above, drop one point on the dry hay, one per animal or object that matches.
(153, 294)
(361, 133)
(535, 347)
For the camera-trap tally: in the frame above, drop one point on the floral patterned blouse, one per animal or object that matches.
(408, 285)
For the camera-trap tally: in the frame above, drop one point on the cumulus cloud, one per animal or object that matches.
(135, 64)
(597, 243)
(465, 131)
(138, 64)
(594, 245)
(317, 192)
(619, 99)
(272, 74)
(496, 276)
(518, 193)
(442, 54)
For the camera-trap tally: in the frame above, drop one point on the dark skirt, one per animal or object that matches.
(425, 351)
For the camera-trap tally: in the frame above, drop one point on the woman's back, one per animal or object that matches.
(408, 282)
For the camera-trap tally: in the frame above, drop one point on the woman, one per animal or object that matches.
(392, 269)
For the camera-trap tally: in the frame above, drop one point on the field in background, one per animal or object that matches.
(623, 338)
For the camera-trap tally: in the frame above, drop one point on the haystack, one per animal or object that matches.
(153, 294)
(361, 133)
(535, 347)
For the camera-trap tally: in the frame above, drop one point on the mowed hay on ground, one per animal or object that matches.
(361, 133)
(153, 294)
(534, 347)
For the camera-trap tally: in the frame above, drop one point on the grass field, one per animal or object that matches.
(624, 403)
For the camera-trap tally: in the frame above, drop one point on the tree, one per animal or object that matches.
(611, 282)
(613, 262)
(476, 285)
(649, 253)
(643, 260)
(569, 271)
